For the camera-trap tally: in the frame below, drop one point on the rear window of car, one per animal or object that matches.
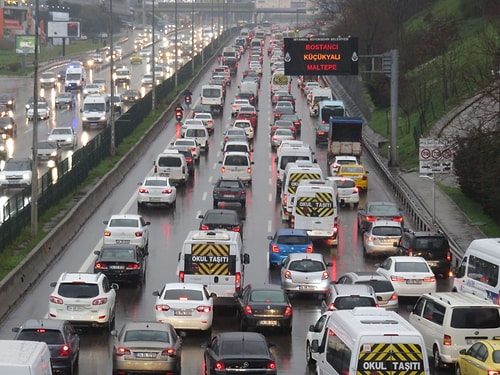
(116, 254)
(83, 290)
(345, 184)
(383, 209)
(169, 162)
(183, 295)
(350, 302)
(387, 231)
(50, 336)
(475, 318)
(352, 170)
(431, 243)
(229, 184)
(146, 335)
(238, 148)
(195, 133)
(411, 267)
(292, 240)
(217, 218)
(131, 223)
(248, 347)
(236, 160)
(379, 286)
(306, 266)
(267, 296)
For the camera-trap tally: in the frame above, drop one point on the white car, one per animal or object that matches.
(188, 122)
(156, 190)
(246, 125)
(316, 332)
(347, 192)
(127, 229)
(255, 66)
(236, 105)
(207, 120)
(280, 135)
(84, 299)
(43, 111)
(341, 160)
(187, 144)
(92, 88)
(64, 136)
(410, 276)
(185, 306)
(147, 80)
(380, 237)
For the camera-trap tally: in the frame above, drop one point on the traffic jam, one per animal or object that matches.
(392, 315)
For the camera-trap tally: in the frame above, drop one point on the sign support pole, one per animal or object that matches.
(394, 162)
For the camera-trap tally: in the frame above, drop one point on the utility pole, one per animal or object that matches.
(153, 88)
(34, 171)
(112, 83)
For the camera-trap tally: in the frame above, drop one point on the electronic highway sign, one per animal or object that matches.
(321, 56)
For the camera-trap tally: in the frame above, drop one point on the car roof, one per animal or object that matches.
(366, 275)
(192, 286)
(84, 277)
(125, 216)
(45, 323)
(237, 335)
(151, 325)
(303, 256)
(290, 231)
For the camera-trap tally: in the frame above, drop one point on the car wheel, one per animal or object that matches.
(457, 370)
(437, 359)
(216, 204)
(309, 359)
(111, 324)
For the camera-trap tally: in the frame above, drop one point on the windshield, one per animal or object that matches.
(94, 107)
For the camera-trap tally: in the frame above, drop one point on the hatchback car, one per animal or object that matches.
(262, 307)
(482, 355)
(155, 190)
(410, 276)
(61, 338)
(357, 172)
(347, 297)
(131, 96)
(347, 192)
(246, 125)
(84, 299)
(280, 135)
(64, 136)
(65, 100)
(230, 352)
(229, 190)
(127, 229)
(224, 219)
(247, 113)
(287, 241)
(207, 120)
(49, 150)
(237, 104)
(386, 295)
(374, 211)
(123, 263)
(304, 273)
(187, 144)
(341, 160)
(147, 347)
(237, 165)
(185, 306)
(381, 236)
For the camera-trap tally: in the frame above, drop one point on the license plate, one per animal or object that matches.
(268, 323)
(432, 263)
(164, 174)
(122, 241)
(73, 308)
(305, 287)
(414, 281)
(154, 199)
(182, 312)
(145, 355)
(111, 267)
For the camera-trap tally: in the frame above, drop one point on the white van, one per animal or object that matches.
(318, 94)
(213, 96)
(198, 133)
(18, 357)
(280, 82)
(369, 340)
(479, 271)
(237, 165)
(96, 111)
(315, 210)
(215, 259)
(290, 153)
(172, 164)
(74, 78)
(294, 173)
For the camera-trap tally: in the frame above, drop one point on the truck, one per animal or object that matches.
(18, 357)
(345, 137)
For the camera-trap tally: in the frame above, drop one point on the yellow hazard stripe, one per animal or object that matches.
(390, 359)
(295, 178)
(210, 250)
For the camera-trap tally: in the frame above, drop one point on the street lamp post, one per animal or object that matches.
(176, 46)
(34, 171)
(192, 36)
(433, 178)
(153, 88)
(112, 81)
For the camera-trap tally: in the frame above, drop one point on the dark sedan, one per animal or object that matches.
(222, 219)
(8, 100)
(122, 263)
(8, 126)
(238, 352)
(229, 190)
(321, 132)
(264, 306)
(374, 211)
(131, 96)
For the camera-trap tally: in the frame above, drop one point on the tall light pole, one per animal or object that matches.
(34, 170)
(153, 88)
(176, 51)
(192, 36)
(112, 82)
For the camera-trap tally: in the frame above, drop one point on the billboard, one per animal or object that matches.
(321, 56)
(63, 29)
(25, 44)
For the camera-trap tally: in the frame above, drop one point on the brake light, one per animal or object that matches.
(324, 276)
(236, 229)
(248, 310)
(355, 190)
(398, 219)
(237, 281)
(397, 278)
(156, 169)
(410, 252)
(288, 311)
(249, 170)
(223, 169)
(431, 279)
(170, 352)
(193, 149)
(309, 249)
(162, 307)
(493, 372)
(364, 178)
(331, 307)
(99, 301)
(446, 340)
(101, 266)
(56, 300)
(121, 351)
(321, 133)
(65, 351)
(107, 233)
(219, 366)
(181, 276)
(167, 191)
(204, 309)
(143, 191)
(204, 227)
(275, 249)
(133, 266)
(288, 274)
(271, 365)
(371, 218)
(448, 256)
(394, 297)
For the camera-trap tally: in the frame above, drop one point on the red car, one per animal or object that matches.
(247, 115)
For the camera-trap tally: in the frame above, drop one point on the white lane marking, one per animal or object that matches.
(269, 226)
(204, 197)
(198, 213)
(210, 179)
(270, 197)
(215, 165)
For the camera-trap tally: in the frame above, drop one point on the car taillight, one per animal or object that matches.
(170, 352)
(189, 160)
(324, 276)
(223, 170)
(309, 249)
(156, 169)
(181, 276)
(355, 190)
(133, 266)
(107, 233)
(492, 372)
(162, 307)
(237, 281)
(219, 365)
(236, 229)
(288, 311)
(204, 227)
(275, 249)
(65, 351)
(371, 218)
(364, 178)
(288, 274)
(271, 365)
(143, 191)
(56, 300)
(448, 256)
(446, 340)
(394, 297)
(101, 266)
(138, 234)
(285, 198)
(167, 191)
(99, 301)
(331, 307)
(203, 309)
(292, 221)
(248, 310)
(249, 170)
(121, 351)
(398, 219)
(431, 279)
(321, 133)
(410, 252)
(397, 278)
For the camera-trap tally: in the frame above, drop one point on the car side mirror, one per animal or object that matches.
(114, 332)
(97, 252)
(246, 258)
(329, 264)
(15, 329)
(53, 284)
(315, 346)
(148, 223)
(200, 216)
(270, 237)
(311, 328)
(237, 294)
(463, 351)
(156, 293)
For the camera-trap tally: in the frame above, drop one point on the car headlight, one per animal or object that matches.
(84, 118)
(102, 118)
(69, 139)
(53, 153)
(26, 176)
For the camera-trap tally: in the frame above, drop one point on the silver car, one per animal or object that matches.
(381, 236)
(386, 295)
(305, 273)
(281, 135)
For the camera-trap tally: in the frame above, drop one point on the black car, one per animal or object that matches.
(374, 211)
(232, 352)
(189, 160)
(222, 219)
(229, 190)
(8, 100)
(201, 108)
(8, 126)
(61, 338)
(321, 132)
(432, 246)
(262, 307)
(4, 154)
(65, 100)
(123, 263)
(297, 122)
(131, 96)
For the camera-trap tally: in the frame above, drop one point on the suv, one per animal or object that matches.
(450, 322)
(16, 173)
(432, 246)
(347, 297)
(170, 163)
(85, 299)
(61, 338)
(229, 190)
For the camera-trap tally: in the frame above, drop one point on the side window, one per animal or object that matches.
(105, 285)
(318, 327)
(405, 243)
(338, 355)
(343, 280)
(419, 306)
(462, 268)
(482, 353)
(438, 315)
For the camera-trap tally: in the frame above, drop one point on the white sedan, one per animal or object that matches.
(127, 229)
(189, 144)
(64, 136)
(156, 190)
(410, 276)
(185, 306)
(207, 119)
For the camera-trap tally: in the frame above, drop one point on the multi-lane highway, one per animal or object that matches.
(169, 228)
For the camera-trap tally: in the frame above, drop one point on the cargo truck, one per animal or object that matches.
(345, 137)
